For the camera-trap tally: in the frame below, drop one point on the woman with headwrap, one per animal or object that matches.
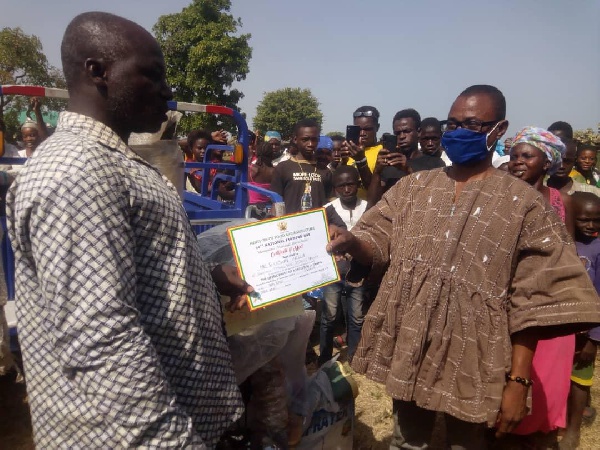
(33, 133)
(534, 154)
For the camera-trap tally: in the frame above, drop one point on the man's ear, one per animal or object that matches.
(494, 136)
(378, 125)
(95, 70)
(501, 129)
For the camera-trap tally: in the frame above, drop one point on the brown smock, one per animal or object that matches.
(459, 279)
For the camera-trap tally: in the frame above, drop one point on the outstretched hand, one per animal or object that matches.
(341, 240)
(219, 136)
(35, 103)
(229, 283)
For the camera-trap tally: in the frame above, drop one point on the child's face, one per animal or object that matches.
(199, 149)
(346, 187)
(586, 160)
(323, 157)
(587, 221)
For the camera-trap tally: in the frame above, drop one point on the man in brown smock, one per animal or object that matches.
(476, 268)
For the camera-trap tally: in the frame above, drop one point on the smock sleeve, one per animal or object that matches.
(376, 227)
(550, 286)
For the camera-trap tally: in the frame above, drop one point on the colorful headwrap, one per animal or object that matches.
(545, 141)
(325, 142)
(272, 135)
(29, 124)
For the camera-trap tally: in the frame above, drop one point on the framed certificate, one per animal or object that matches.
(284, 256)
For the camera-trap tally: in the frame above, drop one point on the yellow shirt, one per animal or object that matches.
(371, 155)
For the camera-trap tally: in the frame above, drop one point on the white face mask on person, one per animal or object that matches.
(464, 146)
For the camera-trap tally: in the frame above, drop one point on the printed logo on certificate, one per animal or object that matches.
(284, 256)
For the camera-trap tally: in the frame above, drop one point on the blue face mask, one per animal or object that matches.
(464, 146)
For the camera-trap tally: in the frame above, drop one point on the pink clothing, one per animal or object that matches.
(551, 371)
(557, 203)
(255, 197)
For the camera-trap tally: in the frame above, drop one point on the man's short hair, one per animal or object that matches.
(431, 122)
(494, 93)
(583, 198)
(306, 123)
(93, 34)
(565, 127)
(367, 111)
(409, 114)
(197, 134)
(350, 170)
(338, 138)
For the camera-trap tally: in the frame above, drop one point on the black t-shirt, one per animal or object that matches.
(289, 181)
(390, 175)
(425, 162)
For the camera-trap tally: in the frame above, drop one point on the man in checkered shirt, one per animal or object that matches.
(119, 319)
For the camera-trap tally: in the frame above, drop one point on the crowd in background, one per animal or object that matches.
(464, 262)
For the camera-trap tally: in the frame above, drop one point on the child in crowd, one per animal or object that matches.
(585, 165)
(197, 142)
(299, 181)
(33, 132)
(349, 208)
(324, 155)
(587, 225)
(261, 173)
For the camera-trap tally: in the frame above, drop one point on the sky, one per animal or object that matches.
(544, 55)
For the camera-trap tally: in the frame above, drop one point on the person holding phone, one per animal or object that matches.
(396, 161)
(361, 147)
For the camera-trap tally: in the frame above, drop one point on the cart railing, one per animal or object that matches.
(203, 205)
(204, 209)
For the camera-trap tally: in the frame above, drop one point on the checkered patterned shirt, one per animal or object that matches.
(119, 319)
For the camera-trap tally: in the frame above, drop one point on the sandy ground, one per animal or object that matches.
(372, 428)
(374, 418)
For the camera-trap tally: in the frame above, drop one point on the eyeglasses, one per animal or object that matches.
(471, 124)
(365, 114)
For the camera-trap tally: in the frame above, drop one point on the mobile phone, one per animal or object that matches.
(390, 142)
(352, 133)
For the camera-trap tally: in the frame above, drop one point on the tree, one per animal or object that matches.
(587, 136)
(204, 57)
(22, 61)
(336, 133)
(280, 110)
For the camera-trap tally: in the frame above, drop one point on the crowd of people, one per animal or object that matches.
(469, 264)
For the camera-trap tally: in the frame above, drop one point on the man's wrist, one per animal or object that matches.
(361, 162)
(527, 382)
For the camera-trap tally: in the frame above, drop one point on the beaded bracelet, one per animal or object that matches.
(524, 381)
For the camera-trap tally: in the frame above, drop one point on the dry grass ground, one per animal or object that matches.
(372, 430)
(373, 427)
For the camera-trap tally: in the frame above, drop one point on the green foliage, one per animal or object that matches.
(22, 61)
(587, 136)
(336, 133)
(280, 110)
(204, 56)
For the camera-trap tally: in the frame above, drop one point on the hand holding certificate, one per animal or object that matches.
(284, 256)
